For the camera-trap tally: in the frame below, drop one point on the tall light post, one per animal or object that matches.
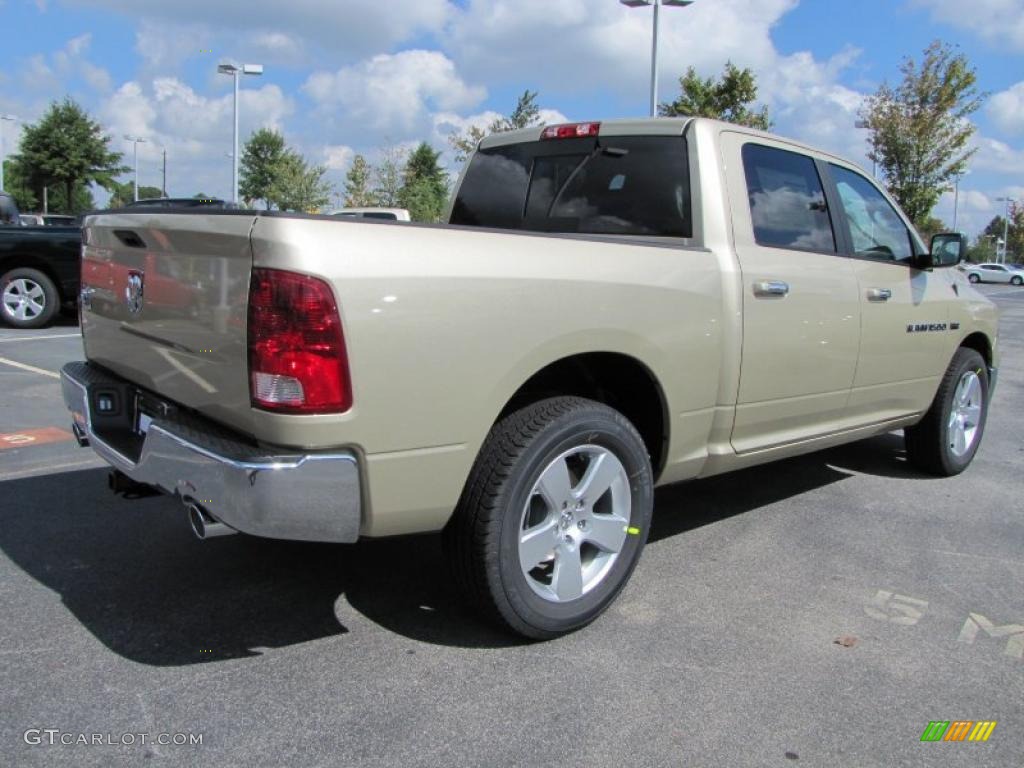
(865, 125)
(234, 70)
(136, 140)
(12, 119)
(956, 197)
(1006, 223)
(654, 41)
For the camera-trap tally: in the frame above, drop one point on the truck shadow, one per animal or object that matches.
(133, 574)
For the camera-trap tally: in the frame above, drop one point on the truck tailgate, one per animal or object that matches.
(164, 305)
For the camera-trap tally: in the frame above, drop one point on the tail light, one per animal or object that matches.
(571, 131)
(297, 359)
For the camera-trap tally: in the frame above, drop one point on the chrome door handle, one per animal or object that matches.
(879, 294)
(771, 288)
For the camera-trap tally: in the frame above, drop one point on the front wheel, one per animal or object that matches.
(1017, 280)
(29, 298)
(974, 278)
(554, 516)
(944, 442)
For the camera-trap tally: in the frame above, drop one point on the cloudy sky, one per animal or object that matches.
(347, 76)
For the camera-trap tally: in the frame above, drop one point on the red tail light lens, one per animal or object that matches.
(297, 359)
(571, 131)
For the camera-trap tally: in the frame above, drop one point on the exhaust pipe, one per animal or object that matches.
(119, 482)
(204, 525)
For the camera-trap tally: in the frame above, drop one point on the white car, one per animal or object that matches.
(994, 273)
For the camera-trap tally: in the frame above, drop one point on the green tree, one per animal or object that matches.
(19, 187)
(425, 185)
(931, 227)
(728, 98)
(525, 114)
(297, 186)
(81, 199)
(357, 184)
(261, 162)
(919, 130)
(67, 148)
(124, 193)
(993, 233)
(387, 177)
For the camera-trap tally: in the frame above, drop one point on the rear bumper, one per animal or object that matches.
(279, 495)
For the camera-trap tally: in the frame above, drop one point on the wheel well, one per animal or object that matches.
(619, 381)
(979, 342)
(31, 262)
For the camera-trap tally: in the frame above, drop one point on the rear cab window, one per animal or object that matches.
(787, 200)
(615, 185)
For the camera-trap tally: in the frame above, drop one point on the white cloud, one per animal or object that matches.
(993, 20)
(394, 94)
(1006, 109)
(341, 28)
(337, 156)
(195, 129)
(997, 157)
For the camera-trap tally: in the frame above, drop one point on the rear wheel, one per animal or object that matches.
(945, 440)
(554, 516)
(28, 298)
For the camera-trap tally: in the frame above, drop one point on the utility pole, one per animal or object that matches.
(163, 189)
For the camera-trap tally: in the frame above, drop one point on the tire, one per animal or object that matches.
(1016, 280)
(28, 298)
(959, 410)
(507, 512)
(974, 278)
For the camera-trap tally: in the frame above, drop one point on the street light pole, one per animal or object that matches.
(1006, 223)
(865, 125)
(163, 188)
(956, 198)
(136, 140)
(12, 119)
(234, 70)
(654, 40)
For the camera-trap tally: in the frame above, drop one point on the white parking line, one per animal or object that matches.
(29, 368)
(1014, 292)
(37, 338)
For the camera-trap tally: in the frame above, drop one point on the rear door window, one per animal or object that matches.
(636, 185)
(787, 200)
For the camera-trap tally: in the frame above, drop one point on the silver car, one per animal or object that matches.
(994, 273)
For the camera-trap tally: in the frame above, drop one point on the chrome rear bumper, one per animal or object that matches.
(302, 496)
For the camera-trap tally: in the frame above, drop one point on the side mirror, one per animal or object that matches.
(948, 250)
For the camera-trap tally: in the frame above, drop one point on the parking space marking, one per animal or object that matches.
(28, 437)
(38, 338)
(29, 368)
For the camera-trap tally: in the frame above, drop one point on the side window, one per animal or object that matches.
(787, 200)
(876, 230)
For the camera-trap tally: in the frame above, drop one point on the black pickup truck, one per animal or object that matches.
(39, 269)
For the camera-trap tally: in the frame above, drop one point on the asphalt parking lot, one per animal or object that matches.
(819, 611)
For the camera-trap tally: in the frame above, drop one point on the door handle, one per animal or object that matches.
(879, 294)
(769, 288)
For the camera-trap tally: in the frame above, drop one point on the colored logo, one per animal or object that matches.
(958, 730)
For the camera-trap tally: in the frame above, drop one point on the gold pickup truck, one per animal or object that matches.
(612, 306)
